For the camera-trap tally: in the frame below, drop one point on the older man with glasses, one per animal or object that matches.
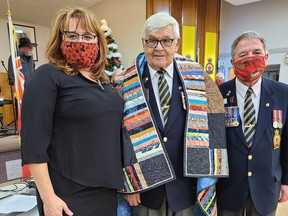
(173, 128)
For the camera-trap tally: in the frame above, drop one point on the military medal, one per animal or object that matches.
(231, 100)
(183, 100)
(277, 119)
(277, 124)
(232, 116)
(276, 139)
(146, 92)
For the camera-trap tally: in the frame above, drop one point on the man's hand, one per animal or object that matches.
(133, 199)
(283, 197)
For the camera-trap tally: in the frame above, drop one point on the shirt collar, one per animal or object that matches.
(169, 71)
(242, 89)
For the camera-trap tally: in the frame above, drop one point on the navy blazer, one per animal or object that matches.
(180, 193)
(267, 167)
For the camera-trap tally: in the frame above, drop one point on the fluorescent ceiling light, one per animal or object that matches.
(19, 31)
(241, 2)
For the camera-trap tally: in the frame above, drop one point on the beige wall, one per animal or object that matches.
(269, 18)
(126, 19)
(41, 39)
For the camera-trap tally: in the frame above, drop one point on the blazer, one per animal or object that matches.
(180, 193)
(158, 158)
(261, 169)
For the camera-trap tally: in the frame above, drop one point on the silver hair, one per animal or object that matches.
(249, 35)
(158, 21)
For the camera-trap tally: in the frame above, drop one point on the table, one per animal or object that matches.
(21, 188)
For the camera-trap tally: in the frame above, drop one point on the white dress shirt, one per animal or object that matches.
(241, 90)
(168, 75)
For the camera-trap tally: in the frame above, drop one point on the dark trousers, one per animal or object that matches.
(248, 210)
(141, 210)
(88, 202)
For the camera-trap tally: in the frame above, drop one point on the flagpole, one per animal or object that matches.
(12, 45)
(18, 81)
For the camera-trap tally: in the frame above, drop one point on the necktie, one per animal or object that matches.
(164, 95)
(249, 118)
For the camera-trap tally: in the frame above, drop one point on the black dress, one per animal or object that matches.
(74, 125)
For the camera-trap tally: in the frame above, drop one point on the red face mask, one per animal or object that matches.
(250, 68)
(79, 54)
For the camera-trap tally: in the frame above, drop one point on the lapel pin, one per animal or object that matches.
(267, 104)
(228, 93)
(145, 79)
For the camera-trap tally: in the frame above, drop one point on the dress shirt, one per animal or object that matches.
(241, 90)
(154, 80)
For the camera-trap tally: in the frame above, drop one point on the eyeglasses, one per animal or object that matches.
(74, 36)
(152, 43)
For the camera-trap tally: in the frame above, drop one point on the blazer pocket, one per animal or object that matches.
(278, 174)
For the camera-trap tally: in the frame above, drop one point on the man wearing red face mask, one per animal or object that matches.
(256, 130)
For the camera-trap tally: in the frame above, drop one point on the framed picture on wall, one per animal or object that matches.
(27, 31)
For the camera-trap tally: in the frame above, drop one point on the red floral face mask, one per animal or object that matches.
(79, 54)
(250, 68)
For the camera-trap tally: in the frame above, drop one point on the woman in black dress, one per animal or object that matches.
(71, 122)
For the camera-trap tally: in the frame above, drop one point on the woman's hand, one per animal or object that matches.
(55, 206)
(52, 204)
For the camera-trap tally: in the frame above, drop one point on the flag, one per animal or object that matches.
(19, 79)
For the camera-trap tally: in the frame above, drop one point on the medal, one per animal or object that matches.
(277, 119)
(231, 100)
(232, 116)
(276, 139)
(146, 92)
(183, 100)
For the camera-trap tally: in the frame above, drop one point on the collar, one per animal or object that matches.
(169, 71)
(242, 89)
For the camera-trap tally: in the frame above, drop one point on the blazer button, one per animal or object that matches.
(165, 139)
(249, 174)
(250, 157)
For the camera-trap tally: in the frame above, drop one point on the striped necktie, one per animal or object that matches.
(249, 118)
(164, 95)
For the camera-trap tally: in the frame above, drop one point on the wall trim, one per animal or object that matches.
(271, 51)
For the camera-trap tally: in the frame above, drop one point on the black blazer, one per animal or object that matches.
(181, 193)
(268, 166)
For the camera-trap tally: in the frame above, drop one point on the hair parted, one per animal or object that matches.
(158, 21)
(248, 35)
(87, 20)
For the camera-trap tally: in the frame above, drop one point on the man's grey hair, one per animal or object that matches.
(158, 21)
(248, 35)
